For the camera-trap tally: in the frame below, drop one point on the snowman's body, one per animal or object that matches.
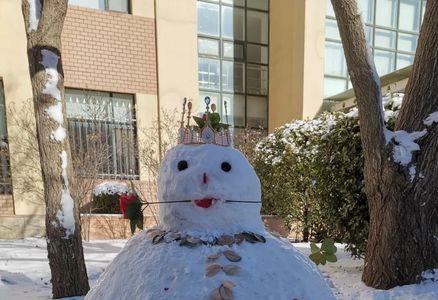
(210, 176)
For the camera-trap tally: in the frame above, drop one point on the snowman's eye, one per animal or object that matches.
(226, 167)
(182, 165)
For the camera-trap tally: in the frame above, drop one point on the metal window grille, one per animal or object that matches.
(5, 167)
(102, 128)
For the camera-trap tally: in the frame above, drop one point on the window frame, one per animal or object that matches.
(112, 161)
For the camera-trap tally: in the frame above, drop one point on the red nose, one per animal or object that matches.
(205, 179)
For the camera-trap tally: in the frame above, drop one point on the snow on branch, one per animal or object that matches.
(34, 15)
(432, 118)
(404, 144)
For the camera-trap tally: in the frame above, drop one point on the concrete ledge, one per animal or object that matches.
(21, 226)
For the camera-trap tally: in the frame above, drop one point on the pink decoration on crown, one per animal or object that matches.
(207, 130)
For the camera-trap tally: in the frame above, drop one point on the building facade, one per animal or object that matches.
(128, 63)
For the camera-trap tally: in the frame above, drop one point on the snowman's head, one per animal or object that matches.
(213, 178)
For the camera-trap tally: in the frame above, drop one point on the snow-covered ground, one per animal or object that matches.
(25, 273)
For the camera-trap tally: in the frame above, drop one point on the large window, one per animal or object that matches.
(233, 38)
(5, 169)
(103, 125)
(113, 5)
(391, 30)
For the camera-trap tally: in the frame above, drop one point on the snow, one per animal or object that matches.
(65, 214)
(55, 112)
(25, 273)
(59, 134)
(34, 15)
(353, 113)
(50, 63)
(432, 118)
(111, 188)
(404, 144)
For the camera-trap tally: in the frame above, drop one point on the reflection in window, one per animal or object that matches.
(385, 61)
(410, 15)
(385, 38)
(238, 70)
(113, 5)
(386, 13)
(334, 60)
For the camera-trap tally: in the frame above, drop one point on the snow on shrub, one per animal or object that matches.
(106, 197)
(312, 175)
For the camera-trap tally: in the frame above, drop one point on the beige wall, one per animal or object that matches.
(296, 62)
(177, 52)
(143, 8)
(14, 72)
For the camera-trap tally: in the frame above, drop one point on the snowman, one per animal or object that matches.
(210, 242)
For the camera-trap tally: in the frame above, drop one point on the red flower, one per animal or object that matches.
(124, 201)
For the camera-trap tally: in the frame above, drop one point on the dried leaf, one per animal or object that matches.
(225, 293)
(249, 237)
(225, 240)
(212, 270)
(232, 256)
(259, 237)
(239, 238)
(154, 232)
(228, 284)
(158, 238)
(215, 256)
(215, 295)
(231, 269)
(190, 242)
(193, 240)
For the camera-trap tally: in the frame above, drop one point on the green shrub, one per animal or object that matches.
(312, 175)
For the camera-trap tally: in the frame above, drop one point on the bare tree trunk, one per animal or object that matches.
(403, 210)
(44, 21)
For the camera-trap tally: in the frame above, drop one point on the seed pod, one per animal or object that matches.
(231, 269)
(212, 270)
(232, 256)
(215, 256)
(225, 240)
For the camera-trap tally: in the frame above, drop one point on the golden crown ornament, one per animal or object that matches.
(208, 128)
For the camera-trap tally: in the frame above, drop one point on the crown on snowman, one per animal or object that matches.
(208, 128)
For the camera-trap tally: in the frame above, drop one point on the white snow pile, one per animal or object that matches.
(66, 212)
(432, 118)
(34, 15)
(111, 188)
(404, 144)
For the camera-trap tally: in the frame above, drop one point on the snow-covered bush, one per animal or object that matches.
(106, 197)
(312, 175)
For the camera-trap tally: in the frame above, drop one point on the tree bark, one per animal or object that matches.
(403, 216)
(64, 244)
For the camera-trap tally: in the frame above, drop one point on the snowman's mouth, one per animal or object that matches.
(205, 203)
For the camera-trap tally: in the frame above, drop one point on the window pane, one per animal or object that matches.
(386, 13)
(257, 79)
(331, 29)
(208, 18)
(329, 9)
(89, 105)
(118, 5)
(333, 86)
(233, 23)
(122, 106)
(257, 54)
(410, 15)
(258, 4)
(334, 60)
(404, 60)
(208, 47)
(257, 27)
(214, 97)
(97, 4)
(208, 73)
(385, 61)
(257, 112)
(407, 42)
(385, 38)
(232, 76)
(369, 34)
(366, 9)
(235, 109)
(233, 50)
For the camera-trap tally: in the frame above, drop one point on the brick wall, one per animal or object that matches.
(109, 51)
